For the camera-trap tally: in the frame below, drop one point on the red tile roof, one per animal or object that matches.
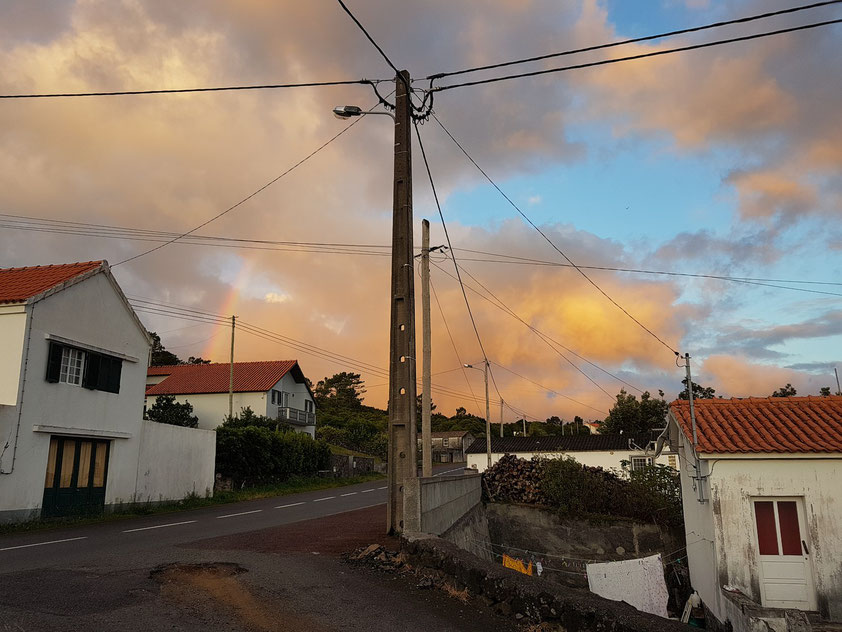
(764, 424)
(19, 284)
(249, 377)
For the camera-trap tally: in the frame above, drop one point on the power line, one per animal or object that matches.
(635, 40)
(617, 60)
(120, 93)
(549, 241)
(244, 200)
(549, 390)
(544, 337)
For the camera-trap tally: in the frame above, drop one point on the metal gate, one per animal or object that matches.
(76, 477)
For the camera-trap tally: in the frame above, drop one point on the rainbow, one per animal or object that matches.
(218, 347)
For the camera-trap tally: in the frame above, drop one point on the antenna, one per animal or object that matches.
(838, 390)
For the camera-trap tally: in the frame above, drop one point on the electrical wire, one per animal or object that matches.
(549, 340)
(618, 60)
(245, 199)
(550, 241)
(549, 390)
(635, 40)
(119, 93)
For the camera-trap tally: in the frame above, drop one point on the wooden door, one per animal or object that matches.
(76, 477)
(786, 570)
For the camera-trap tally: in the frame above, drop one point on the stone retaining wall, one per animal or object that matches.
(530, 598)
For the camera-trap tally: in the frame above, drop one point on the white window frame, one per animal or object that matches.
(72, 366)
(647, 461)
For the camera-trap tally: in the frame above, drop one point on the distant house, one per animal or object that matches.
(605, 451)
(72, 369)
(449, 446)
(276, 389)
(763, 515)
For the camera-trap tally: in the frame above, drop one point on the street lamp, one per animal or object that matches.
(484, 369)
(346, 112)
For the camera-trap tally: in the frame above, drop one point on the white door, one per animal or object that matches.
(786, 571)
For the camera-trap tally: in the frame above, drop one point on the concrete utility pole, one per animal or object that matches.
(501, 417)
(402, 432)
(487, 416)
(426, 400)
(231, 372)
(524, 427)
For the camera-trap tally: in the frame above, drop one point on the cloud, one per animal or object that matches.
(736, 377)
(274, 297)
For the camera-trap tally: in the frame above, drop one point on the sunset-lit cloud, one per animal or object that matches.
(766, 115)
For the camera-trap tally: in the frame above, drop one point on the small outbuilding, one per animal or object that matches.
(762, 506)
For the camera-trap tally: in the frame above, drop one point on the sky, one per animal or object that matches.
(724, 161)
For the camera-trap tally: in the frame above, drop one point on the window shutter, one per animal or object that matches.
(93, 370)
(54, 362)
(114, 372)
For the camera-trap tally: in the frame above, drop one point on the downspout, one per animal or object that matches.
(31, 317)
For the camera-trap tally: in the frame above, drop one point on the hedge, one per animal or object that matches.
(253, 455)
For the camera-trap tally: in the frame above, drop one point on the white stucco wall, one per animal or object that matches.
(721, 533)
(174, 462)
(212, 408)
(605, 459)
(12, 332)
(89, 313)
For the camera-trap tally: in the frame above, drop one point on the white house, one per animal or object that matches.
(449, 446)
(276, 389)
(605, 451)
(762, 506)
(72, 370)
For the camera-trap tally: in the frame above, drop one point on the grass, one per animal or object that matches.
(338, 449)
(193, 501)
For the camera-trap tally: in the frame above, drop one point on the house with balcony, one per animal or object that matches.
(277, 389)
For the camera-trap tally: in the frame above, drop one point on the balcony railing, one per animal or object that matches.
(297, 417)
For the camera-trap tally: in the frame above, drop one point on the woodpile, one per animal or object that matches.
(514, 480)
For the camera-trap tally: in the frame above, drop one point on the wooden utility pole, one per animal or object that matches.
(426, 399)
(231, 372)
(402, 432)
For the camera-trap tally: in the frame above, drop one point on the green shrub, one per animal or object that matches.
(255, 455)
(359, 438)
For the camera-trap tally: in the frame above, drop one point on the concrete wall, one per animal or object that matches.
(12, 333)
(721, 533)
(174, 462)
(434, 504)
(605, 459)
(92, 313)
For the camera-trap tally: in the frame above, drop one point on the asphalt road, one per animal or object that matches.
(141, 574)
(133, 536)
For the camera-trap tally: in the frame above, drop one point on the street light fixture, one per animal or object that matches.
(346, 112)
(484, 369)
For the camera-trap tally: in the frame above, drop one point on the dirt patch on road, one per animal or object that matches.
(217, 585)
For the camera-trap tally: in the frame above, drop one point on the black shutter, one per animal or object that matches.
(110, 377)
(93, 370)
(54, 362)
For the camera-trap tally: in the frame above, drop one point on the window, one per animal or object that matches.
(309, 406)
(445, 442)
(672, 462)
(94, 371)
(72, 364)
(640, 462)
(777, 534)
(280, 398)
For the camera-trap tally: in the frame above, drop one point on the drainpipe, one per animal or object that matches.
(30, 318)
(697, 465)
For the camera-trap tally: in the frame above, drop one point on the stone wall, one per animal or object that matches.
(471, 533)
(529, 598)
(348, 465)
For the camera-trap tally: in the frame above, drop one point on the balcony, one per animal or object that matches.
(296, 417)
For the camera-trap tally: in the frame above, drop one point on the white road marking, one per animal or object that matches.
(449, 471)
(365, 491)
(349, 494)
(318, 500)
(289, 505)
(25, 546)
(384, 487)
(242, 513)
(159, 526)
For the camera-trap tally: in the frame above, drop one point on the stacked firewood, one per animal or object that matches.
(514, 480)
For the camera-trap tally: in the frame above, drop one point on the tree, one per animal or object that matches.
(699, 391)
(195, 360)
(160, 356)
(344, 389)
(166, 410)
(785, 391)
(824, 391)
(630, 416)
(461, 412)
